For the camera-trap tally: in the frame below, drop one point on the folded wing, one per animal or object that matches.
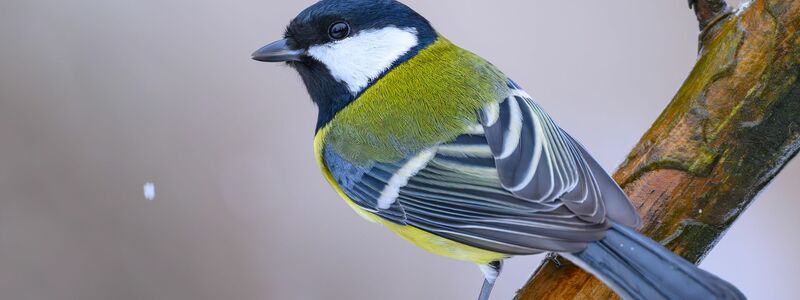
(515, 184)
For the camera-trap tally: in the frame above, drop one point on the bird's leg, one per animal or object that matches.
(490, 273)
(552, 256)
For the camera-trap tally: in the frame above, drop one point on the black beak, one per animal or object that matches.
(278, 51)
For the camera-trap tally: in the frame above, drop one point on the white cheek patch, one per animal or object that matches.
(361, 58)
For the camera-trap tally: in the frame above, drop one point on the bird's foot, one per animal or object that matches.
(553, 257)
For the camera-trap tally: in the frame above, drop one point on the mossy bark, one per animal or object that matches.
(731, 128)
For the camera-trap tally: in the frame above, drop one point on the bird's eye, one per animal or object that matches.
(339, 30)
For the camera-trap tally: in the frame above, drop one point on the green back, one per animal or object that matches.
(432, 98)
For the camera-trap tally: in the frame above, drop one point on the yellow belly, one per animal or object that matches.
(425, 240)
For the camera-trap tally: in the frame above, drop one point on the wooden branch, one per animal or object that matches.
(731, 128)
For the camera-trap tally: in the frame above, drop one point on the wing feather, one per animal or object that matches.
(517, 184)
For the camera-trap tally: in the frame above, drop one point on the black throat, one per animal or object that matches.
(328, 94)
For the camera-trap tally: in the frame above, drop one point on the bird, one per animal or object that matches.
(439, 146)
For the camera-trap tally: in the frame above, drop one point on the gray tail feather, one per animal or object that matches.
(636, 267)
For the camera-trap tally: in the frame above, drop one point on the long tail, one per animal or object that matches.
(636, 267)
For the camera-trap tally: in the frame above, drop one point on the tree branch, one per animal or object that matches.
(731, 128)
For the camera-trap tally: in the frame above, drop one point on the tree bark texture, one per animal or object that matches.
(731, 128)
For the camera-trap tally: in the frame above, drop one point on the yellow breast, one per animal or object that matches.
(427, 241)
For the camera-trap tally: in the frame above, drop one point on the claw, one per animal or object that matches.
(552, 256)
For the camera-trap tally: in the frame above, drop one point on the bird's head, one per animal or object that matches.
(341, 47)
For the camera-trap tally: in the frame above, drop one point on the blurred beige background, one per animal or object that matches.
(98, 97)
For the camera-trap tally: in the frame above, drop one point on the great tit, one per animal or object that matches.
(439, 146)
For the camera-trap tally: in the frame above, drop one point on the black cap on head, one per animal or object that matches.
(313, 25)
